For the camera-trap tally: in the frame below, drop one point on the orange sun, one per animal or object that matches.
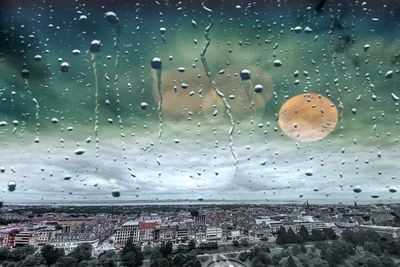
(308, 117)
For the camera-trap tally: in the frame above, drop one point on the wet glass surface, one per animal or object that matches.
(218, 101)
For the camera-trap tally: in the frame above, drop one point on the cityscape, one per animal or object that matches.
(199, 133)
(206, 235)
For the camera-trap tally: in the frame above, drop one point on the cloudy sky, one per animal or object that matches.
(288, 53)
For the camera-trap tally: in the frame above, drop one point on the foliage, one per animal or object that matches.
(131, 255)
(166, 249)
(51, 254)
(108, 259)
(82, 252)
(208, 246)
(191, 245)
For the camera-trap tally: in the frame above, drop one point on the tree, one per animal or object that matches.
(88, 263)
(243, 256)
(329, 233)
(244, 243)
(317, 235)
(166, 249)
(291, 262)
(131, 255)
(282, 236)
(161, 262)
(82, 252)
(179, 260)
(191, 245)
(191, 260)
(292, 237)
(261, 259)
(194, 212)
(5, 254)
(108, 259)
(235, 243)
(66, 261)
(372, 247)
(33, 260)
(304, 235)
(51, 254)
(20, 253)
(318, 262)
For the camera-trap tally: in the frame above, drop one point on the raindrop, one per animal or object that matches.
(394, 97)
(156, 76)
(277, 63)
(115, 193)
(12, 185)
(144, 105)
(111, 17)
(392, 189)
(357, 189)
(79, 151)
(64, 67)
(38, 58)
(258, 88)
(95, 49)
(389, 74)
(25, 73)
(245, 76)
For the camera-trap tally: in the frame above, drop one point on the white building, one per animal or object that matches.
(128, 230)
(213, 234)
(69, 245)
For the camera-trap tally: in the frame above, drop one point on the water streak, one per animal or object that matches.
(210, 77)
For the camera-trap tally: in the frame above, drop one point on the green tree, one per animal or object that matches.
(191, 260)
(372, 247)
(131, 255)
(318, 262)
(161, 262)
(51, 254)
(261, 259)
(329, 233)
(108, 259)
(88, 263)
(166, 249)
(20, 253)
(244, 243)
(82, 252)
(33, 260)
(291, 236)
(194, 213)
(66, 261)
(191, 245)
(290, 262)
(305, 236)
(243, 256)
(317, 235)
(5, 254)
(282, 236)
(179, 260)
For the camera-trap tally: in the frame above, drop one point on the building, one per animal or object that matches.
(147, 229)
(8, 236)
(22, 239)
(69, 243)
(182, 234)
(126, 231)
(213, 234)
(167, 232)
